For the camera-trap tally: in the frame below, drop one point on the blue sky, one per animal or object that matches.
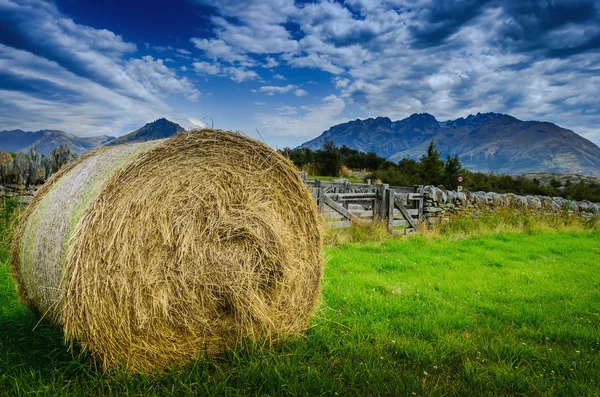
(291, 69)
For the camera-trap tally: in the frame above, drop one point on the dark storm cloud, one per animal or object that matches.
(552, 29)
(540, 16)
(589, 44)
(444, 18)
(557, 28)
(361, 35)
(39, 88)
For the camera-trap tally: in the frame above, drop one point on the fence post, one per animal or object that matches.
(380, 208)
(390, 209)
(376, 202)
(346, 190)
(419, 190)
(321, 199)
(320, 191)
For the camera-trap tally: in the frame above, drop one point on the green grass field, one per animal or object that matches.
(502, 313)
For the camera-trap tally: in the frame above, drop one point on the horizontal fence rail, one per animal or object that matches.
(341, 203)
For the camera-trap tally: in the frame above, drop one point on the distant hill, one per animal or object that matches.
(159, 129)
(488, 142)
(46, 140)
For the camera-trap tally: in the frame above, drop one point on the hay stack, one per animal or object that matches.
(153, 253)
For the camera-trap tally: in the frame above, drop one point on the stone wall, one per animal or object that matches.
(440, 202)
(24, 194)
(21, 170)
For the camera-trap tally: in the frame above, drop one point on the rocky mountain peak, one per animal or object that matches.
(488, 142)
(158, 129)
(419, 121)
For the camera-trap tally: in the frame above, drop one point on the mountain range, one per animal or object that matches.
(46, 140)
(487, 142)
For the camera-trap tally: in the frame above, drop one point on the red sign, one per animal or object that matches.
(460, 179)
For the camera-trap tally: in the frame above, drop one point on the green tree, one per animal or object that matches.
(405, 173)
(329, 159)
(452, 169)
(432, 168)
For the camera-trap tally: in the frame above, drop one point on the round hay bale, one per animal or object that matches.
(154, 253)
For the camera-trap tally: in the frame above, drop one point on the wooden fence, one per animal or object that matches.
(342, 203)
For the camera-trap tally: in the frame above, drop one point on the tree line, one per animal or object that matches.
(430, 169)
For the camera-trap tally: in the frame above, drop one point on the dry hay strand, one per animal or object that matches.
(149, 255)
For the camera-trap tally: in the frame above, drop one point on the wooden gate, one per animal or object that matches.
(342, 203)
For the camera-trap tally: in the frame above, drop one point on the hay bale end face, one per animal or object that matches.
(154, 253)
